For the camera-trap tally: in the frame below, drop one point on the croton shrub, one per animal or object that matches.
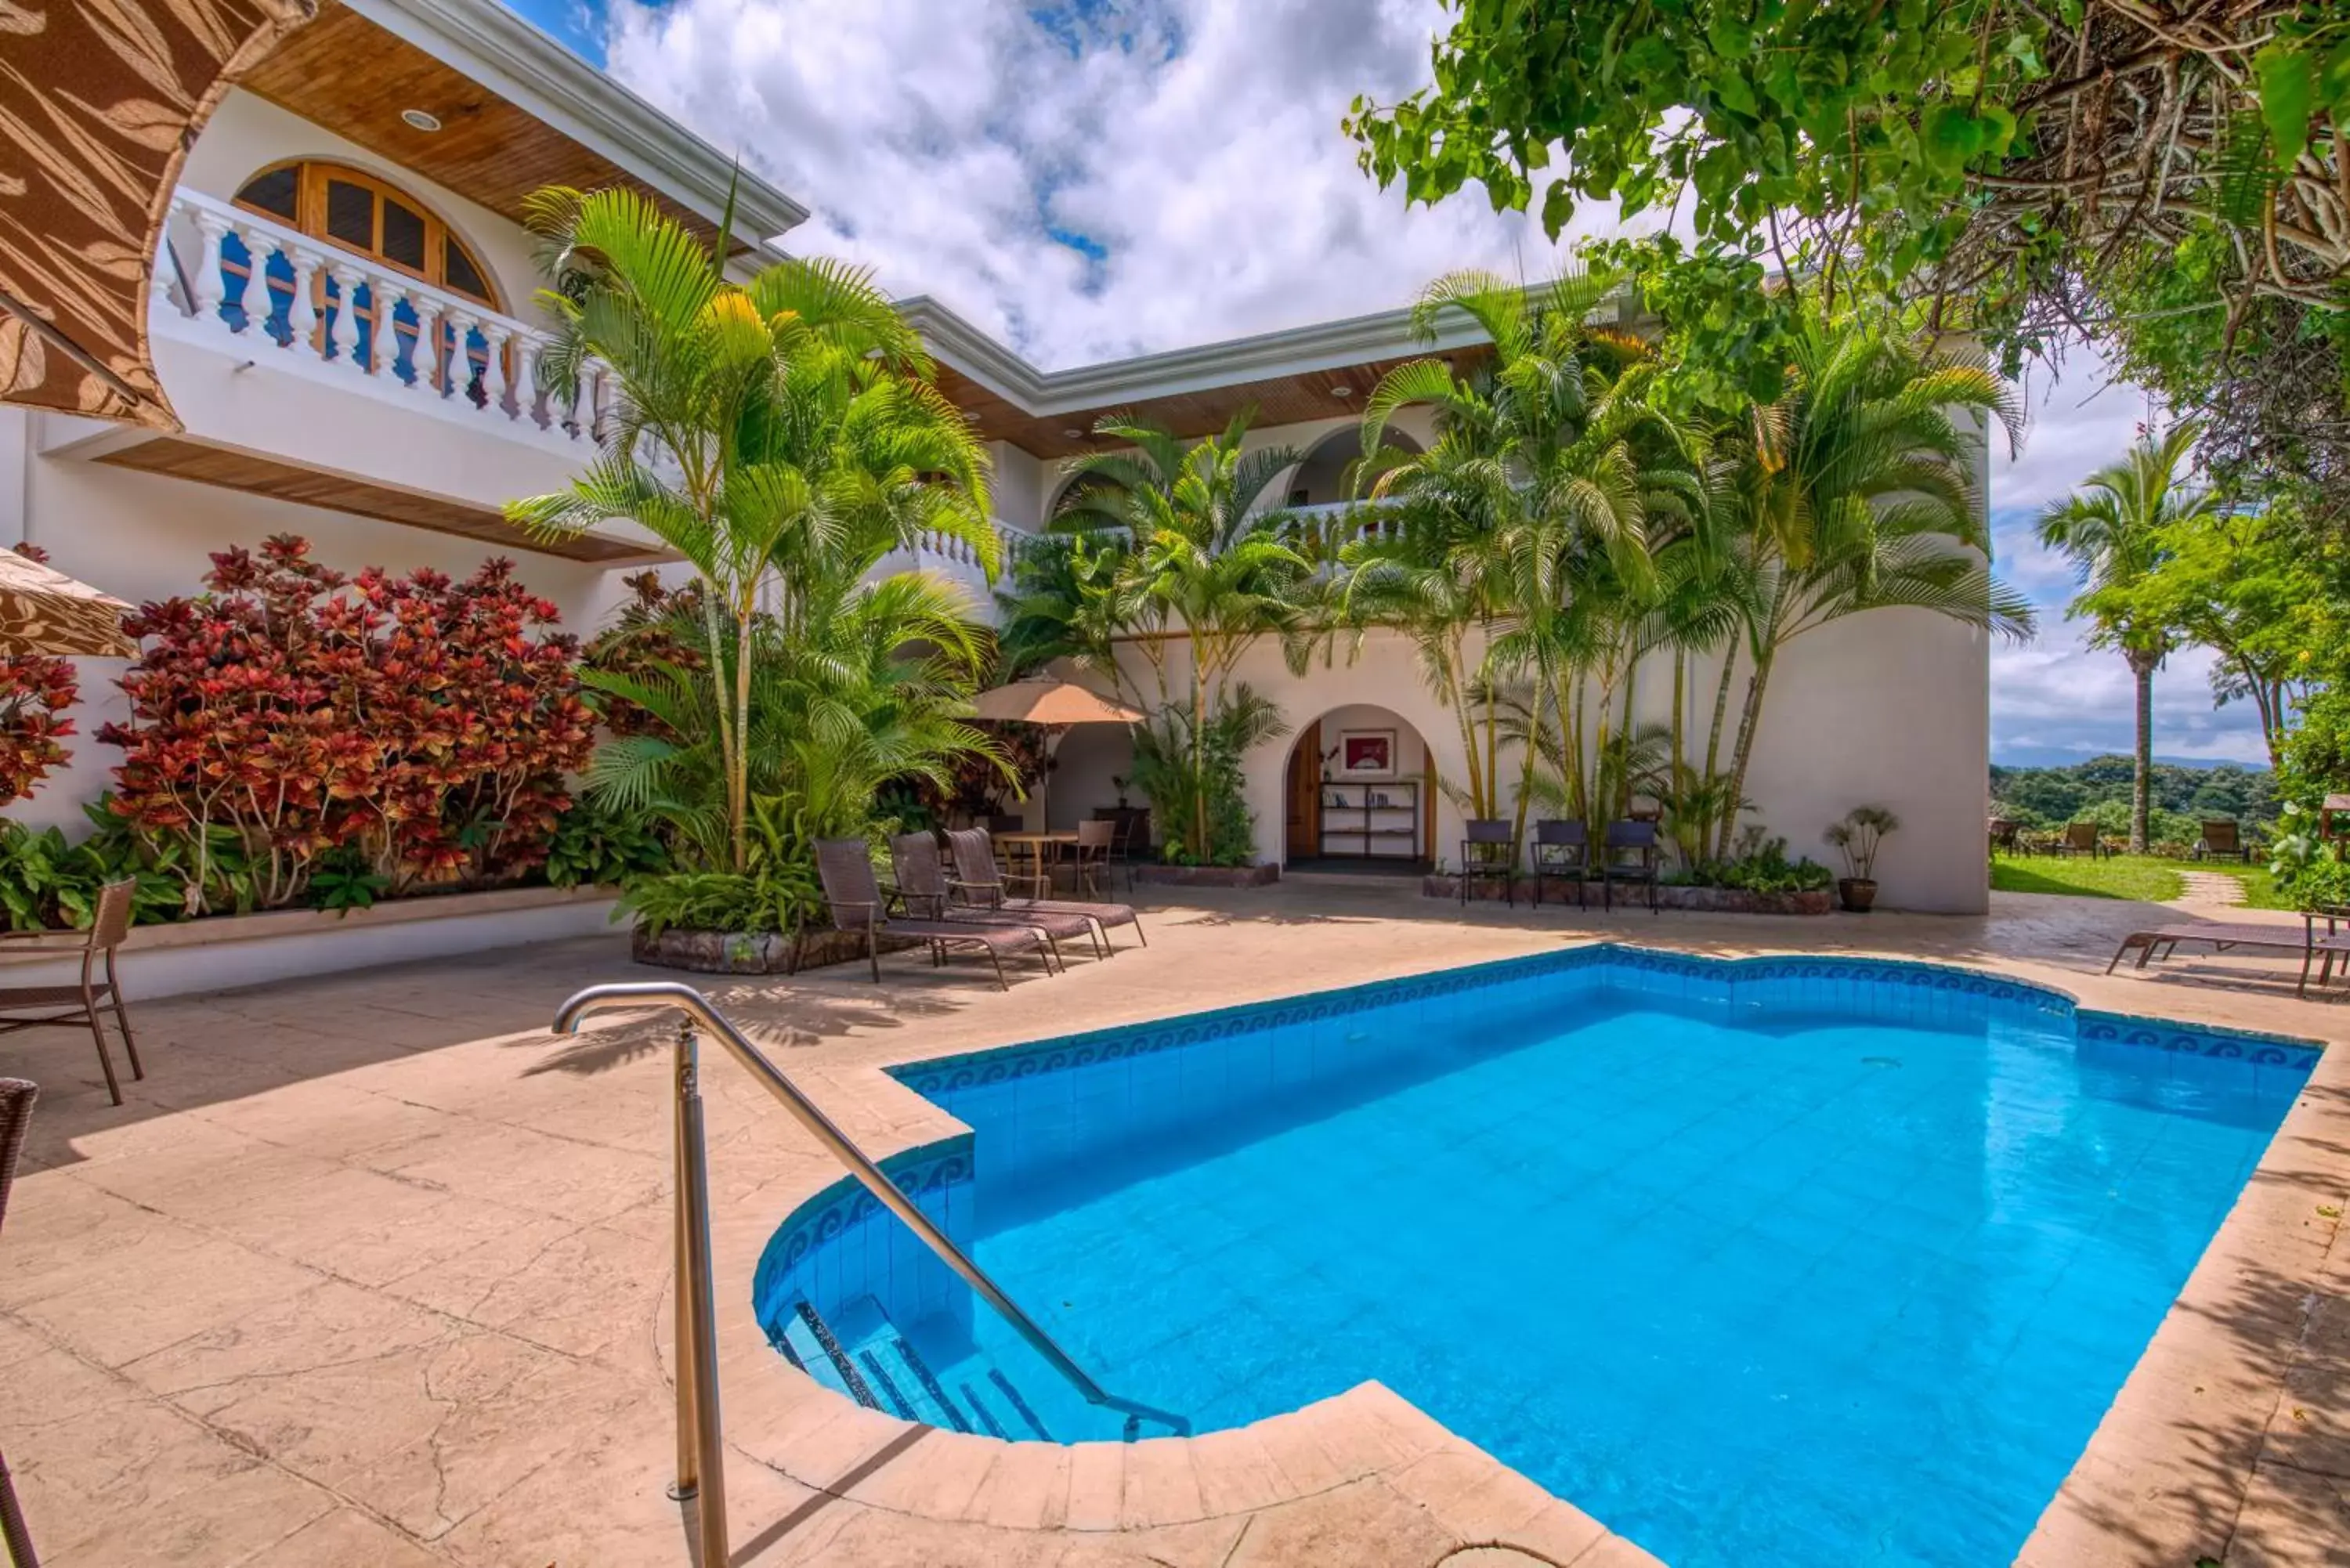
(295, 718)
(35, 690)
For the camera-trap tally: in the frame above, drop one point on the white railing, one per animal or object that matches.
(275, 292)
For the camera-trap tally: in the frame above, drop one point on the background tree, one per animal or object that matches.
(2116, 530)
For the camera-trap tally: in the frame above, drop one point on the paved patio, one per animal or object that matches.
(372, 1272)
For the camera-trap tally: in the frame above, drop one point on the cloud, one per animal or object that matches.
(1085, 180)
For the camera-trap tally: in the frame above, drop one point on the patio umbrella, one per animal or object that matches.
(100, 101)
(1056, 705)
(42, 610)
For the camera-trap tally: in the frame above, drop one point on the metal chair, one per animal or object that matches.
(16, 1097)
(1490, 854)
(1640, 839)
(110, 923)
(1562, 849)
(1096, 842)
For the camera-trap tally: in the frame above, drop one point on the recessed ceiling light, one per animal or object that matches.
(1342, 391)
(1075, 435)
(417, 119)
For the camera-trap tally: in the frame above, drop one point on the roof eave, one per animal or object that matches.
(523, 65)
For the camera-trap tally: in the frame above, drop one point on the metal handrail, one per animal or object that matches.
(701, 1464)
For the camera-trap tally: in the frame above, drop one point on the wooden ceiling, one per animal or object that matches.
(354, 77)
(254, 476)
(1278, 401)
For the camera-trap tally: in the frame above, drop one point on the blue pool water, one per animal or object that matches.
(1813, 1270)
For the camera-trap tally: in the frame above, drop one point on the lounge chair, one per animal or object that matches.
(2158, 942)
(2080, 838)
(977, 880)
(1562, 851)
(79, 1004)
(924, 887)
(2222, 840)
(16, 1097)
(1490, 854)
(853, 895)
(1642, 842)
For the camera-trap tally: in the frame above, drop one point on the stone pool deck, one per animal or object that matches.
(372, 1272)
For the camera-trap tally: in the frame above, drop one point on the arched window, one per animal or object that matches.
(369, 217)
(352, 211)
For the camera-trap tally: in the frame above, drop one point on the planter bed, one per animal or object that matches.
(220, 952)
(750, 953)
(1208, 875)
(1711, 900)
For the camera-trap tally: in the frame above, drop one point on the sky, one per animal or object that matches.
(1093, 179)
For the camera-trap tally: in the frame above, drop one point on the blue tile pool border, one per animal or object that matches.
(1689, 976)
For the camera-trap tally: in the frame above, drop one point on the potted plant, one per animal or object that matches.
(1856, 838)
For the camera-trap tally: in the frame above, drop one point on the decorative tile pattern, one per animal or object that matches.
(2264, 1050)
(841, 1244)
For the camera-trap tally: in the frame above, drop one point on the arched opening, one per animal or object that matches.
(1326, 477)
(1074, 489)
(398, 236)
(1360, 796)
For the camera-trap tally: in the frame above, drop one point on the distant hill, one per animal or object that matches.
(2099, 790)
(2026, 757)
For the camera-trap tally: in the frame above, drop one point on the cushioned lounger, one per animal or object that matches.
(922, 885)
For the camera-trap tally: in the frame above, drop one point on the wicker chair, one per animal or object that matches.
(16, 1097)
(1639, 841)
(1562, 849)
(853, 893)
(79, 1004)
(1490, 854)
(977, 878)
(926, 890)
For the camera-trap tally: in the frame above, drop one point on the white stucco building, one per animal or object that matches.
(382, 158)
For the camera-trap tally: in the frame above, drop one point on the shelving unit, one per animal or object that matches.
(1353, 825)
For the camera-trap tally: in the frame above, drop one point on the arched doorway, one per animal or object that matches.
(1326, 475)
(1360, 796)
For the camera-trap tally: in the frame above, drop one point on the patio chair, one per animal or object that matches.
(1131, 843)
(1639, 841)
(16, 1097)
(77, 1005)
(2080, 838)
(853, 895)
(1490, 854)
(926, 892)
(2223, 840)
(1091, 863)
(2158, 942)
(2008, 835)
(1562, 849)
(977, 880)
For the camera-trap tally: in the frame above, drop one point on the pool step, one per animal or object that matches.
(860, 1352)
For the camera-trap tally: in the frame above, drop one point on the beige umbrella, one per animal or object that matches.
(1056, 705)
(99, 103)
(42, 610)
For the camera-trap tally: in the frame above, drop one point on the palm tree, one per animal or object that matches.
(1203, 563)
(2112, 530)
(1854, 493)
(764, 430)
(1526, 522)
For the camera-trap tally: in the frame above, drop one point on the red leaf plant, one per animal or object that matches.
(426, 722)
(35, 690)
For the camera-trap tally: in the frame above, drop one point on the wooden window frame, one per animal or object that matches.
(311, 175)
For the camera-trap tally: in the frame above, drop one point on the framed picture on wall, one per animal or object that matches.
(1366, 754)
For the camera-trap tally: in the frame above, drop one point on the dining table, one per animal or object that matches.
(1030, 854)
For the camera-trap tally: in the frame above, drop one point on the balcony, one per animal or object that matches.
(308, 373)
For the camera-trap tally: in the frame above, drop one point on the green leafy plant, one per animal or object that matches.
(1198, 776)
(344, 879)
(1857, 836)
(1760, 866)
(596, 846)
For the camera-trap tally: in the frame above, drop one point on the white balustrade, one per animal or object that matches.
(327, 332)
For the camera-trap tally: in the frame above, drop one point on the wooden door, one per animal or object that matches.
(1304, 794)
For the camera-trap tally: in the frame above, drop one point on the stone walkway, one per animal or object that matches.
(373, 1272)
(2200, 890)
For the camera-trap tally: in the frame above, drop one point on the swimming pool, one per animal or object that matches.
(1800, 1260)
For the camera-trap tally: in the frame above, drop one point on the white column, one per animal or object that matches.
(461, 369)
(505, 353)
(206, 283)
(342, 331)
(528, 345)
(304, 315)
(159, 284)
(388, 289)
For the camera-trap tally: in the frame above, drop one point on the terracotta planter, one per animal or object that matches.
(1857, 894)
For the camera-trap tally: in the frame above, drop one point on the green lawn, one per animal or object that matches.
(2142, 876)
